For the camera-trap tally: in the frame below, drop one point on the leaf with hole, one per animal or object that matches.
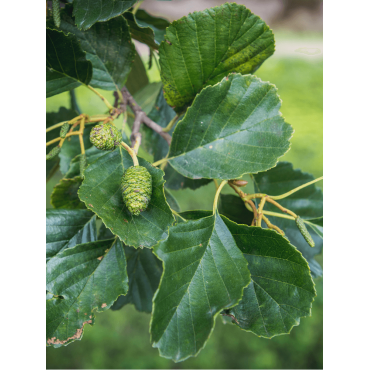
(84, 279)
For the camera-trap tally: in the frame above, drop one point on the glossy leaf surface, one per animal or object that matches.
(66, 63)
(162, 114)
(85, 279)
(281, 291)
(306, 203)
(232, 128)
(204, 47)
(144, 271)
(67, 228)
(107, 45)
(89, 12)
(204, 272)
(101, 192)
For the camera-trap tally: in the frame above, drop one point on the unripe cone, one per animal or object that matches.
(53, 152)
(302, 228)
(105, 136)
(64, 130)
(136, 189)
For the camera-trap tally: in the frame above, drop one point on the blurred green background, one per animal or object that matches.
(120, 339)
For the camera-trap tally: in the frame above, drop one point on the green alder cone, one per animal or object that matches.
(136, 189)
(105, 136)
(302, 228)
(64, 130)
(53, 152)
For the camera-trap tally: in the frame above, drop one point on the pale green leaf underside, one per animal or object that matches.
(281, 291)
(89, 12)
(306, 203)
(107, 45)
(101, 192)
(66, 63)
(203, 47)
(204, 272)
(83, 279)
(66, 228)
(144, 271)
(232, 128)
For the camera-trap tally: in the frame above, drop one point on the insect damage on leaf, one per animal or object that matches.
(78, 334)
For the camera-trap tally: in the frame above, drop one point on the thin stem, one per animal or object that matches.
(171, 124)
(55, 126)
(59, 138)
(137, 6)
(80, 136)
(176, 214)
(131, 152)
(277, 197)
(155, 164)
(254, 209)
(106, 102)
(276, 214)
(223, 183)
(285, 210)
(271, 226)
(164, 164)
(260, 208)
(137, 143)
(216, 183)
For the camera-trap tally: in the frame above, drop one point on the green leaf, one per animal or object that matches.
(137, 78)
(204, 47)
(234, 209)
(67, 228)
(162, 114)
(204, 272)
(92, 154)
(85, 279)
(89, 12)
(157, 24)
(51, 119)
(306, 203)
(65, 196)
(66, 63)
(171, 200)
(281, 290)
(101, 191)
(232, 128)
(71, 148)
(107, 45)
(144, 271)
(146, 28)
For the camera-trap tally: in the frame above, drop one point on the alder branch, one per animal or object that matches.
(140, 117)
